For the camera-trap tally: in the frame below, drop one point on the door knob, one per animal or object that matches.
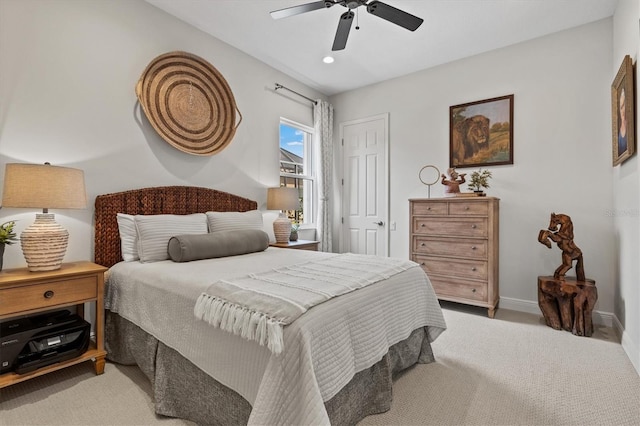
(379, 223)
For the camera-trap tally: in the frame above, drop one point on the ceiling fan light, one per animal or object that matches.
(328, 59)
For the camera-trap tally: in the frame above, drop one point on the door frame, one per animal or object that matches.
(385, 117)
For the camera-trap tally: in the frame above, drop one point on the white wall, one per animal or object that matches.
(626, 193)
(68, 72)
(562, 149)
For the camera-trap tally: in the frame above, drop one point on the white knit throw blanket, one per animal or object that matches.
(258, 306)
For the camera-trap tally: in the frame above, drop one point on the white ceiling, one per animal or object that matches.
(380, 50)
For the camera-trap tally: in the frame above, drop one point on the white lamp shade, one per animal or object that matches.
(282, 198)
(43, 186)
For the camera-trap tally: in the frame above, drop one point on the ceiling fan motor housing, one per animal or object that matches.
(352, 4)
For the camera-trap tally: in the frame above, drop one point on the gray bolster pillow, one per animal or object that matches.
(185, 248)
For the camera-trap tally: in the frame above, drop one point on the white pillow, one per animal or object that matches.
(232, 221)
(128, 237)
(268, 218)
(155, 231)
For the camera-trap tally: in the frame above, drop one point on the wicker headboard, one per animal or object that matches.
(158, 200)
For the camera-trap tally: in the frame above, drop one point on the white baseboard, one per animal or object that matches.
(600, 318)
(606, 319)
(630, 347)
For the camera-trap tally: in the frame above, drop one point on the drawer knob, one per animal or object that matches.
(473, 269)
(422, 225)
(48, 294)
(466, 207)
(422, 263)
(422, 244)
(473, 247)
(473, 226)
(473, 290)
(428, 208)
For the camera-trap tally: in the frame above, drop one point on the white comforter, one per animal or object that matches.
(324, 348)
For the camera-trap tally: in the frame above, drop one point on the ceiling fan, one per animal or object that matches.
(377, 8)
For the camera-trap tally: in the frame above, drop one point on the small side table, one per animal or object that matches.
(24, 293)
(298, 245)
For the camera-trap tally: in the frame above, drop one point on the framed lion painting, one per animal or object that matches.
(481, 133)
(622, 113)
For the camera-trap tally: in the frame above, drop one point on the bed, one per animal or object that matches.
(339, 357)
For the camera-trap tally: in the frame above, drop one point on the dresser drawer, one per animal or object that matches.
(458, 247)
(469, 208)
(473, 269)
(435, 208)
(451, 226)
(52, 293)
(456, 288)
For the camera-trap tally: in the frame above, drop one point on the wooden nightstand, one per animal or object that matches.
(300, 245)
(24, 293)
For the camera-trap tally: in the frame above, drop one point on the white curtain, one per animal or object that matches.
(323, 129)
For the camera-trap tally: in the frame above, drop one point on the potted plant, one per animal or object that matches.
(294, 231)
(479, 180)
(7, 237)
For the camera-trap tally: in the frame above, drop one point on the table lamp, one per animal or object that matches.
(44, 243)
(282, 198)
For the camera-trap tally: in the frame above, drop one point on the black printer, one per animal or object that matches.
(28, 343)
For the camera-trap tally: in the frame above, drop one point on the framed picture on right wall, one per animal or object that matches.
(622, 113)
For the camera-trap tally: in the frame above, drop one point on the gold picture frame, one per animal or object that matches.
(623, 113)
(481, 133)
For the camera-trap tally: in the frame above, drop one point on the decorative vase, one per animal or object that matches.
(282, 228)
(293, 236)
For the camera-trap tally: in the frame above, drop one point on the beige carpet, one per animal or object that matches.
(511, 370)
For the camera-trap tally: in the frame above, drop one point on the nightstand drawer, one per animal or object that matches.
(52, 293)
(459, 248)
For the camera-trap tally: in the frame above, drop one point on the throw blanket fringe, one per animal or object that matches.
(257, 306)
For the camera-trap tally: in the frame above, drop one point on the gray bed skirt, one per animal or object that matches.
(182, 390)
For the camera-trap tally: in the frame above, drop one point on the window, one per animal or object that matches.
(297, 169)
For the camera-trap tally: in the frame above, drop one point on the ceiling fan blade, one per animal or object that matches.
(302, 8)
(344, 26)
(392, 14)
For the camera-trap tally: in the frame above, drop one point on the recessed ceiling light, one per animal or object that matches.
(328, 59)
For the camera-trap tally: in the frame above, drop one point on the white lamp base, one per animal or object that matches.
(44, 243)
(282, 228)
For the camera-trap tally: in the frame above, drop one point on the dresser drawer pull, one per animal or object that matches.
(473, 247)
(422, 244)
(428, 208)
(473, 226)
(422, 263)
(466, 207)
(473, 290)
(473, 269)
(48, 294)
(422, 225)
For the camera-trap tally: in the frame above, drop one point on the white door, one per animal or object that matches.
(365, 206)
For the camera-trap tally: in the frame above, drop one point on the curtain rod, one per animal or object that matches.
(280, 86)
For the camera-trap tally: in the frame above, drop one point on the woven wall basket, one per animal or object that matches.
(189, 103)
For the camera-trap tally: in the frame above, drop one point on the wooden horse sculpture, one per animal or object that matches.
(566, 302)
(560, 231)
